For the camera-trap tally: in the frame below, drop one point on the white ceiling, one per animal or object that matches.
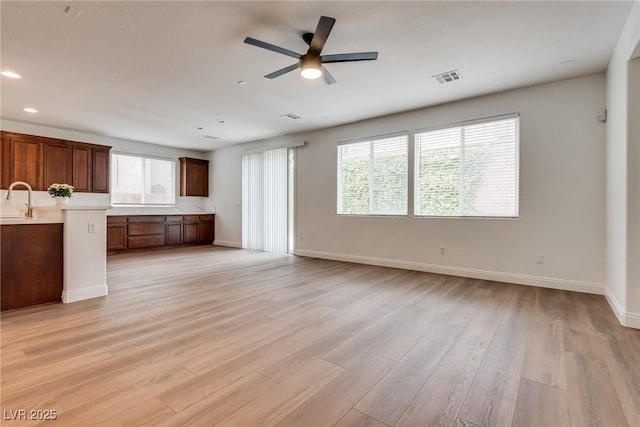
(152, 71)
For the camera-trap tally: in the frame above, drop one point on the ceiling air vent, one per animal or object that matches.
(447, 77)
(291, 116)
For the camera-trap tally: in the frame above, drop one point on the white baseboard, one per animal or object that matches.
(227, 243)
(86, 293)
(626, 318)
(520, 279)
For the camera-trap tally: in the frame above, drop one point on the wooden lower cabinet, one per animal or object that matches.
(145, 231)
(116, 232)
(206, 228)
(32, 272)
(191, 228)
(173, 230)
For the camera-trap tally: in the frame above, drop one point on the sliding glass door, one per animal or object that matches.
(266, 193)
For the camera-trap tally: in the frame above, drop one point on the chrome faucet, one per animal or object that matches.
(29, 212)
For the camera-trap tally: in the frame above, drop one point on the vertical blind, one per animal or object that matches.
(372, 177)
(264, 200)
(468, 170)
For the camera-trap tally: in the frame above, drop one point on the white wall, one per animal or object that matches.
(622, 241)
(41, 198)
(562, 195)
(225, 176)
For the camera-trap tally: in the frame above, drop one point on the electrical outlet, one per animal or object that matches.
(442, 250)
(539, 259)
(301, 239)
(92, 227)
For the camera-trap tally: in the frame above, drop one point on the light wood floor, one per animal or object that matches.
(206, 336)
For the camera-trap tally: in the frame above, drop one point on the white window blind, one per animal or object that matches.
(264, 200)
(468, 170)
(372, 177)
(139, 180)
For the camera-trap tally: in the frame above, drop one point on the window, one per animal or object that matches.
(468, 170)
(372, 177)
(137, 180)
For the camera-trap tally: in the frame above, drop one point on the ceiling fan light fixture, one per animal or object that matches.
(310, 67)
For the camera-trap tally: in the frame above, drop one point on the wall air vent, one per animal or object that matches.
(447, 77)
(291, 116)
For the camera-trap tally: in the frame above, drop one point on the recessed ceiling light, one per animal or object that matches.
(210, 137)
(196, 127)
(220, 121)
(567, 62)
(241, 82)
(29, 110)
(10, 74)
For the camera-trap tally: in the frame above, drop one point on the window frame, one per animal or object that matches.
(145, 157)
(416, 168)
(371, 140)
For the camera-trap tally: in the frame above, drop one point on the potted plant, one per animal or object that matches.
(61, 193)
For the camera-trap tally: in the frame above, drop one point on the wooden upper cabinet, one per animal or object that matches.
(21, 160)
(101, 170)
(41, 161)
(82, 168)
(194, 177)
(56, 164)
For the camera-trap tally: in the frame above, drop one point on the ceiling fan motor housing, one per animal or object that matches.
(307, 37)
(310, 66)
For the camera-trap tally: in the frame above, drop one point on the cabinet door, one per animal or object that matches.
(191, 232)
(173, 233)
(56, 164)
(22, 160)
(116, 236)
(5, 161)
(194, 177)
(82, 164)
(206, 229)
(116, 232)
(31, 271)
(101, 171)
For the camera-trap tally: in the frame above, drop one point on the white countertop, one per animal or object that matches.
(85, 208)
(159, 213)
(31, 221)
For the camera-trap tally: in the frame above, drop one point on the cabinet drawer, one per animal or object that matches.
(146, 228)
(111, 220)
(192, 217)
(145, 241)
(206, 217)
(174, 218)
(146, 218)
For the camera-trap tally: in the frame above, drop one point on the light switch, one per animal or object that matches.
(92, 227)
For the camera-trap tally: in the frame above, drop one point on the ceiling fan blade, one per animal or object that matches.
(271, 47)
(348, 57)
(325, 24)
(282, 71)
(327, 77)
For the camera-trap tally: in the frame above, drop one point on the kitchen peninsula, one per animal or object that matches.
(59, 256)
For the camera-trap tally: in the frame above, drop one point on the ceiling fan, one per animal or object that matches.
(311, 63)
